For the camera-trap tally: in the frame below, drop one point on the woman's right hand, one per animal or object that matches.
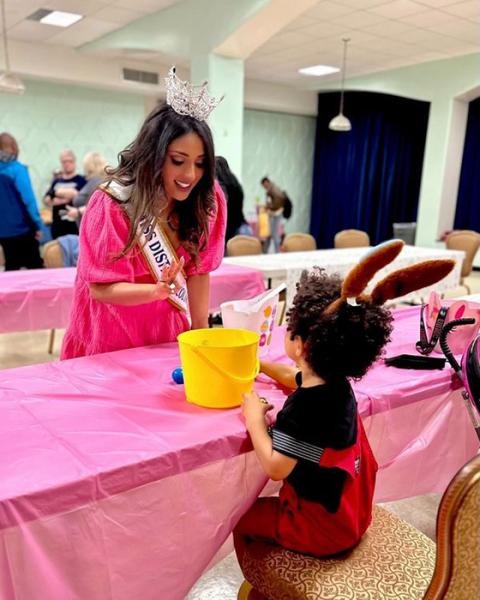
(163, 290)
(169, 274)
(169, 285)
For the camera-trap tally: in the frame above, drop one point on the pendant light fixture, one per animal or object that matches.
(340, 122)
(9, 82)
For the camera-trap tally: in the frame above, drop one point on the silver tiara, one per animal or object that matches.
(188, 99)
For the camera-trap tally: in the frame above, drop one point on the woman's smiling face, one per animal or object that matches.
(184, 166)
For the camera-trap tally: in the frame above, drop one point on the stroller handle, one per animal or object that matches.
(444, 344)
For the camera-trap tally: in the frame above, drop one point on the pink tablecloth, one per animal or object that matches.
(112, 486)
(41, 298)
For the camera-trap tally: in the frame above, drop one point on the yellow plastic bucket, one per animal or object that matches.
(219, 365)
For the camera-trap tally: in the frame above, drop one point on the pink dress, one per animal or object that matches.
(97, 327)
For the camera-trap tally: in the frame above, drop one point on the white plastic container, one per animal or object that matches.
(256, 314)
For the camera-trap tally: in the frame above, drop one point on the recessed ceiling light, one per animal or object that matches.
(60, 19)
(318, 70)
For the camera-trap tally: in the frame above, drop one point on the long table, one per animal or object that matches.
(288, 266)
(113, 486)
(42, 298)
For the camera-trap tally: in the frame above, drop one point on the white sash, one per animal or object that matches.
(155, 246)
(159, 253)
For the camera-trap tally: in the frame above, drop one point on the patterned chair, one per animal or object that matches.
(298, 242)
(469, 242)
(393, 560)
(241, 245)
(351, 238)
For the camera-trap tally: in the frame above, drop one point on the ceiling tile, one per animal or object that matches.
(16, 11)
(463, 30)
(289, 39)
(387, 28)
(145, 6)
(444, 43)
(117, 14)
(321, 29)
(327, 10)
(362, 4)
(298, 24)
(397, 9)
(437, 3)
(359, 19)
(416, 35)
(428, 18)
(430, 56)
(471, 8)
(81, 7)
(399, 48)
(31, 31)
(82, 32)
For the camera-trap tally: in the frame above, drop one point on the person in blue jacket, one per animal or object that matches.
(20, 223)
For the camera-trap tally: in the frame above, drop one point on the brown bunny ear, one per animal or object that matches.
(380, 256)
(416, 277)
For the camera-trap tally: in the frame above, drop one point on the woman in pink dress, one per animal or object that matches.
(164, 177)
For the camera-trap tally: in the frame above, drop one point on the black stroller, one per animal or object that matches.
(468, 371)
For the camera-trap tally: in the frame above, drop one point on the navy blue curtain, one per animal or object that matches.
(467, 215)
(368, 178)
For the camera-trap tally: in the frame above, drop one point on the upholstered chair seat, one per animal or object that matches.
(374, 570)
(394, 561)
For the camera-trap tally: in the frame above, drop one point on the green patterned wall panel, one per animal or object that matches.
(280, 146)
(51, 117)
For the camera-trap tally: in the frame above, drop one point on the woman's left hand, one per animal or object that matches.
(254, 407)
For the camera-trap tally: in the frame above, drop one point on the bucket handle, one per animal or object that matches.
(235, 378)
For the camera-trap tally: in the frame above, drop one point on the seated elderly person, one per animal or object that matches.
(94, 168)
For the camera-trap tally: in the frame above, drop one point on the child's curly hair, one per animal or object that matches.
(345, 343)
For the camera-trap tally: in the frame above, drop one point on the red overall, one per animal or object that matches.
(306, 526)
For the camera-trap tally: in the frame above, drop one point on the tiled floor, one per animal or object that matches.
(221, 582)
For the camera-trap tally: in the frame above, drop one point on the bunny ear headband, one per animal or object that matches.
(396, 284)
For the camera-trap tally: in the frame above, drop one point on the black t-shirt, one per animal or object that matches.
(313, 418)
(60, 227)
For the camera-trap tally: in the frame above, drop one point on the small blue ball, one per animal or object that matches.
(177, 375)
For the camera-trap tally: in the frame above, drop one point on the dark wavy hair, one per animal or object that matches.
(141, 164)
(234, 196)
(345, 343)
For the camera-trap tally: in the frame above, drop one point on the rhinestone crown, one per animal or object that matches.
(188, 99)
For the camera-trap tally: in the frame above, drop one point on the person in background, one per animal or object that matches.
(94, 170)
(151, 235)
(20, 222)
(275, 205)
(68, 179)
(236, 222)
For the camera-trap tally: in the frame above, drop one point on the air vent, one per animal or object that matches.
(140, 76)
(39, 14)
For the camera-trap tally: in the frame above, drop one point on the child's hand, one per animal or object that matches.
(255, 408)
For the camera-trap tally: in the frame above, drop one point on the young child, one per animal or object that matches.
(318, 446)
